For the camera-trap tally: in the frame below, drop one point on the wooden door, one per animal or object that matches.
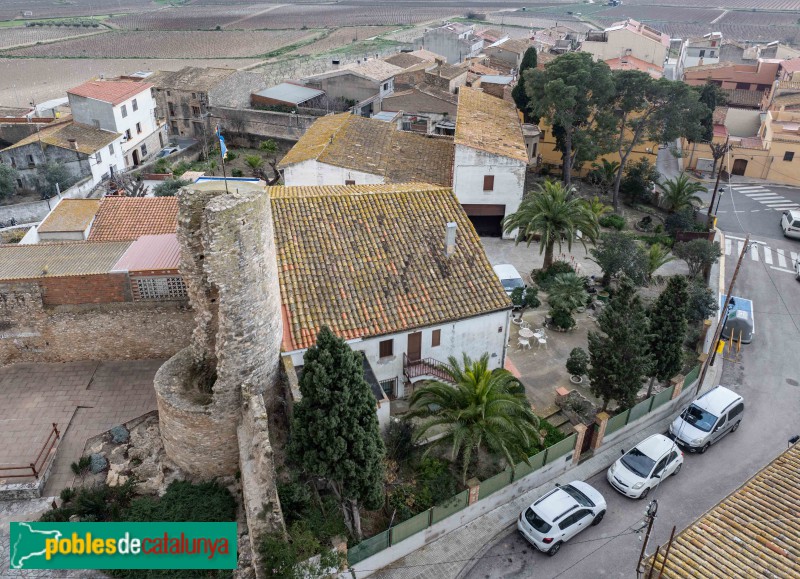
(739, 166)
(415, 347)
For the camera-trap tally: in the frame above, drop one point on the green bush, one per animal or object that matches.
(95, 503)
(544, 277)
(562, 318)
(399, 439)
(527, 297)
(231, 156)
(169, 187)
(184, 501)
(436, 482)
(295, 499)
(237, 173)
(614, 221)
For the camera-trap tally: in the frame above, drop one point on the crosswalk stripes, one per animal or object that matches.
(766, 197)
(781, 258)
(785, 260)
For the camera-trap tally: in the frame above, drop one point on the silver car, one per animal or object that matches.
(709, 418)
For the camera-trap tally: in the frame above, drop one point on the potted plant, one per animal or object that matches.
(577, 365)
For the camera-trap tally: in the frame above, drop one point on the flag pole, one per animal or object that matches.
(225, 175)
(223, 152)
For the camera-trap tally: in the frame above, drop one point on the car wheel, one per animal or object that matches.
(598, 518)
(735, 426)
(677, 470)
(645, 493)
(705, 448)
(554, 549)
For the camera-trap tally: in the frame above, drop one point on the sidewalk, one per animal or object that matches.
(455, 553)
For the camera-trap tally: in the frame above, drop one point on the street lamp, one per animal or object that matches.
(721, 193)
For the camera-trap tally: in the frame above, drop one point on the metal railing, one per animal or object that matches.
(36, 467)
(425, 367)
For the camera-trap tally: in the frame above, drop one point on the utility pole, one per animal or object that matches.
(724, 312)
(652, 509)
(721, 152)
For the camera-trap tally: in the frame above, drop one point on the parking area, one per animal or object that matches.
(82, 398)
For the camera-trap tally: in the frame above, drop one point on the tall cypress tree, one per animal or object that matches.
(335, 433)
(518, 93)
(620, 352)
(668, 330)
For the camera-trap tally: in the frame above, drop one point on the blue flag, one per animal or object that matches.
(222, 148)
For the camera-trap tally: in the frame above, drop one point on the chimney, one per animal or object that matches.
(450, 239)
(73, 143)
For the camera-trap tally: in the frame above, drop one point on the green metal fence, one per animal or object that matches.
(639, 410)
(536, 462)
(494, 484)
(368, 547)
(410, 527)
(561, 448)
(617, 422)
(662, 397)
(693, 375)
(450, 507)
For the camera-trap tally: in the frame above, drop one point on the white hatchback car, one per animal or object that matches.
(790, 223)
(644, 466)
(560, 515)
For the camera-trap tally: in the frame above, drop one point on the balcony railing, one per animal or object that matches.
(37, 467)
(425, 367)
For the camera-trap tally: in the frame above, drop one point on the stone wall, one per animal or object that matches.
(32, 212)
(33, 332)
(265, 123)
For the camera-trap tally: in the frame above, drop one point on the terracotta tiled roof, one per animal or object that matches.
(70, 215)
(110, 91)
(744, 98)
(87, 140)
(404, 60)
(516, 45)
(417, 100)
(633, 63)
(786, 99)
(191, 78)
(447, 71)
(380, 250)
(753, 532)
(375, 147)
(58, 259)
(481, 69)
(426, 54)
(374, 69)
(490, 124)
(719, 115)
(128, 218)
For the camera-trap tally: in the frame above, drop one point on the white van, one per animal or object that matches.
(790, 223)
(707, 419)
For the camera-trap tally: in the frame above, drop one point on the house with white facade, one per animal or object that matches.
(628, 38)
(453, 40)
(122, 106)
(89, 154)
(347, 149)
(397, 271)
(490, 159)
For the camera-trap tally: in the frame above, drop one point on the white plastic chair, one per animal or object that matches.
(523, 343)
(543, 341)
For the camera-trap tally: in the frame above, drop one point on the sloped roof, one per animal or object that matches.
(515, 45)
(373, 69)
(191, 78)
(490, 124)
(128, 218)
(151, 253)
(422, 99)
(404, 60)
(374, 147)
(632, 63)
(381, 251)
(719, 115)
(448, 71)
(792, 65)
(744, 98)
(87, 139)
(70, 215)
(110, 91)
(42, 260)
(289, 92)
(753, 532)
(427, 55)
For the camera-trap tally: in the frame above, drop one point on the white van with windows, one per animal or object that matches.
(709, 418)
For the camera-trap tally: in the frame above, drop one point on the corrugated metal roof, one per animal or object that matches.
(496, 79)
(70, 215)
(290, 93)
(58, 259)
(151, 252)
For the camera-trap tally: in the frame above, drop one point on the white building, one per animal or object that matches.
(628, 38)
(699, 51)
(395, 270)
(490, 159)
(123, 106)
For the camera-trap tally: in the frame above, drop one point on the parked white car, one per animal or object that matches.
(790, 223)
(560, 515)
(644, 466)
(709, 418)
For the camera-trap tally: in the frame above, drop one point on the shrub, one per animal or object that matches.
(295, 499)
(399, 436)
(562, 318)
(527, 297)
(237, 173)
(231, 156)
(184, 501)
(682, 220)
(169, 188)
(95, 503)
(699, 254)
(436, 482)
(544, 277)
(578, 362)
(614, 221)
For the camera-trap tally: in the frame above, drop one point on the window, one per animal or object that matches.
(386, 86)
(128, 134)
(736, 411)
(702, 53)
(138, 128)
(134, 105)
(98, 157)
(30, 160)
(388, 387)
(144, 151)
(488, 182)
(194, 95)
(96, 123)
(349, 182)
(436, 338)
(171, 109)
(19, 183)
(111, 149)
(788, 155)
(13, 162)
(174, 126)
(124, 110)
(169, 93)
(743, 85)
(386, 348)
(711, 54)
(196, 111)
(158, 288)
(660, 466)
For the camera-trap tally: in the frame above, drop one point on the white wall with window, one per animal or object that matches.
(105, 158)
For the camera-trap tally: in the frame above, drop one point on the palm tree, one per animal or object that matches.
(596, 206)
(254, 162)
(567, 292)
(657, 256)
(680, 193)
(604, 174)
(554, 215)
(483, 409)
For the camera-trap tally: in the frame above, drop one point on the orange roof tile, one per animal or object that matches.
(489, 124)
(110, 91)
(128, 218)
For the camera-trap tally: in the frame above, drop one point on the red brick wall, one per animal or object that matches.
(85, 289)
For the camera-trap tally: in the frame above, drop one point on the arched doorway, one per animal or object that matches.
(135, 156)
(739, 166)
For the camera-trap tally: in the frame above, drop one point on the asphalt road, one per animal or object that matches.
(755, 208)
(765, 374)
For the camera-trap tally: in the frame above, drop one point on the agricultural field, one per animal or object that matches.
(749, 18)
(10, 9)
(11, 37)
(740, 4)
(187, 17)
(44, 78)
(341, 37)
(174, 44)
(657, 13)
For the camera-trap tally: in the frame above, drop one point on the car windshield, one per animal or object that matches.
(581, 498)
(536, 521)
(638, 462)
(699, 418)
(512, 283)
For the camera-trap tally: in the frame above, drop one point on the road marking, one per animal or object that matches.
(751, 188)
(754, 252)
(755, 210)
(781, 269)
(781, 258)
(727, 246)
(742, 239)
(794, 257)
(757, 195)
(767, 255)
(740, 246)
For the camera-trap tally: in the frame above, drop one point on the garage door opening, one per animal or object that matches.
(486, 219)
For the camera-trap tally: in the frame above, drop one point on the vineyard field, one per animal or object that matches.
(18, 36)
(10, 9)
(186, 17)
(175, 44)
(341, 37)
(740, 4)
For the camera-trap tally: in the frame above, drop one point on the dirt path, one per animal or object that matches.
(230, 25)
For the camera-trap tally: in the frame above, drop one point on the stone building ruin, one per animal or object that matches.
(213, 395)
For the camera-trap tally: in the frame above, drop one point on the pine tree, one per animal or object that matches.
(518, 93)
(335, 433)
(668, 330)
(619, 353)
